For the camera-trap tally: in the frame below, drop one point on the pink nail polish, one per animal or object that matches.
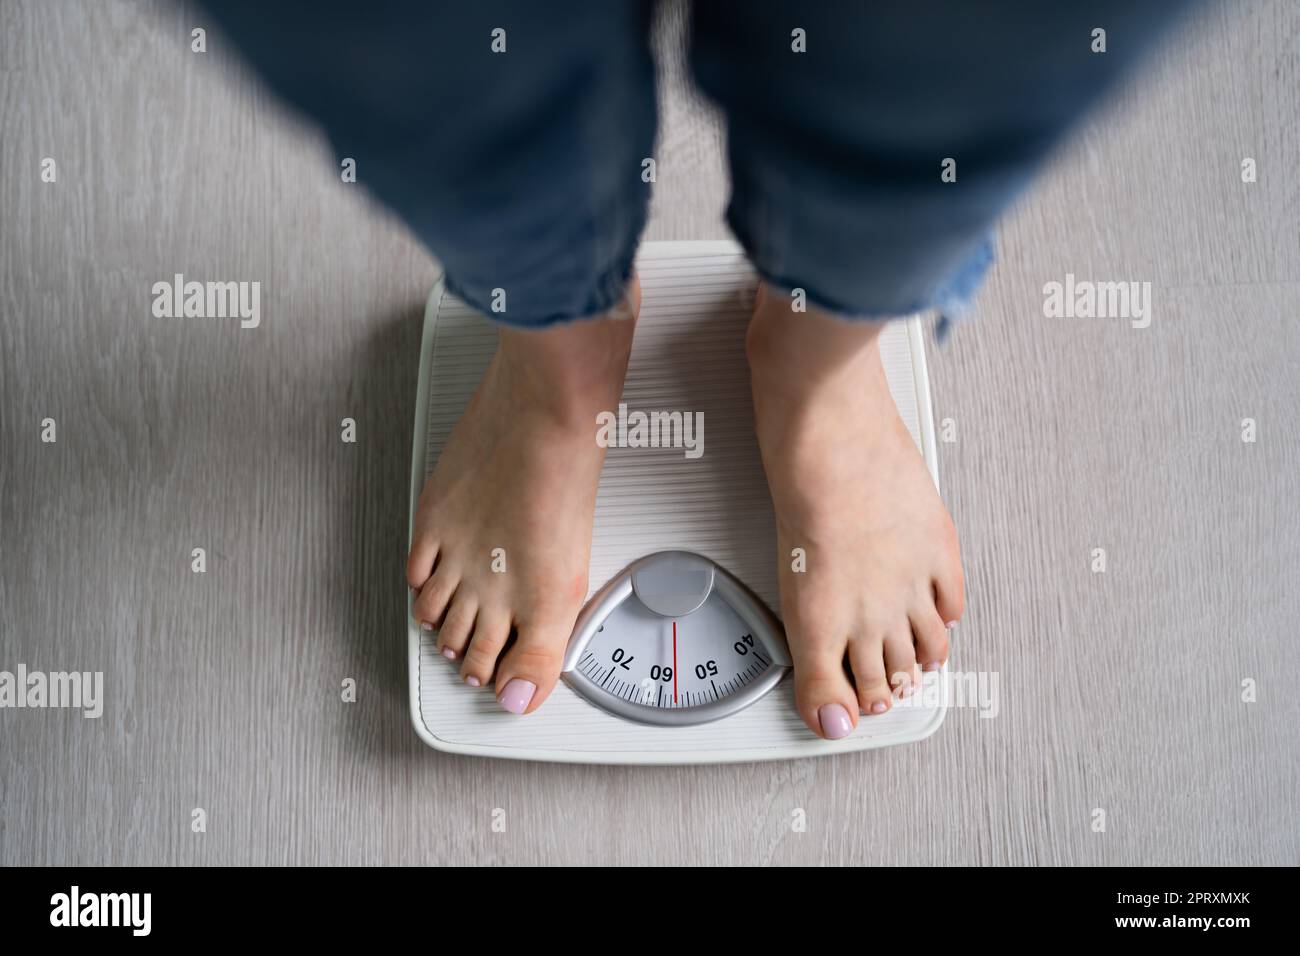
(426, 626)
(879, 707)
(473, 682)
(517, 695)
(950, 625)
(448, 653)
(835, 721)
(933, 666)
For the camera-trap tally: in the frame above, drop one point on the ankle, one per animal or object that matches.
(565, 394)
(567, 374)
(785, 347)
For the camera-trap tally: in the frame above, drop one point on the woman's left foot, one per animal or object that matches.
(870, 573)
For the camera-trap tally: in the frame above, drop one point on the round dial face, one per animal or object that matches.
(675, 640)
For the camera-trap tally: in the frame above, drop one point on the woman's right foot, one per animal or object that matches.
(503, 526)
(882, 579)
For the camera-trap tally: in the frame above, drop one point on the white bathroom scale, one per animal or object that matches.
(678, 656)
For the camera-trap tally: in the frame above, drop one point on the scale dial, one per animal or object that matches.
(675, 640)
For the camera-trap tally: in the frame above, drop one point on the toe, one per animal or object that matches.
(823, 694)
(900, 662)
(529, 670)
(931, 637)
(419, 563)
(457, 626)
(434, 597)
(867, 657)
(491, 631)
(949, 596)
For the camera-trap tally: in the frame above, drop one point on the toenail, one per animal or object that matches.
(426, 626)
(448, 653)
(933, 666)
(879, 707)
(835, 721)
(950, 625)
(517, 695)
(473, 682)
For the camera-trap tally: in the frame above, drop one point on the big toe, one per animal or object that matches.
(528, 671)
(950, 595)
(823, 694)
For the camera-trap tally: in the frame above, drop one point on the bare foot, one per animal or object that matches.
(883, 579)
(503, 527)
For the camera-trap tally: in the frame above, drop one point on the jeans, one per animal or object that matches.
(872, 145)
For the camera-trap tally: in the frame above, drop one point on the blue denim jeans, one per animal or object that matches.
(510, 135)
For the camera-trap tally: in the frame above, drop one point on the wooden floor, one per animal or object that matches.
(1120, 691)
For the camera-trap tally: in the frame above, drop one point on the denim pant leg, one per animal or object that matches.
(838, 153)
(516, 156)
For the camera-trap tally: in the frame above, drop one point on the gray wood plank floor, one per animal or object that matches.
(1119, 691)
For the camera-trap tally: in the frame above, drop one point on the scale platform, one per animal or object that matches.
(712, 511)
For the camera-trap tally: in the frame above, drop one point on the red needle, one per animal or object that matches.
(674, 662)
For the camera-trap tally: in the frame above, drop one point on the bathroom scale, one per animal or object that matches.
(678, 656)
